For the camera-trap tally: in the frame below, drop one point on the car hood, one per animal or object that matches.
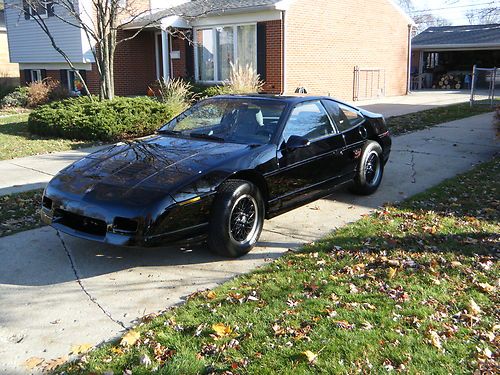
(144, 170)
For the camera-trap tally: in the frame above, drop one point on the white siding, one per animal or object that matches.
(29, 44)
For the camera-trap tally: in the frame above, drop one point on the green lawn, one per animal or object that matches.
(16, 141)
(412, 288)
(20, 212)
(428, 118)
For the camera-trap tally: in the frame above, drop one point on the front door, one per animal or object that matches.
(309, 169)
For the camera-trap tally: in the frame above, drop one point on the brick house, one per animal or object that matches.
(344, 48)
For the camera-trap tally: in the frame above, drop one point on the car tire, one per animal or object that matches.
(237, 219)
(370, 170)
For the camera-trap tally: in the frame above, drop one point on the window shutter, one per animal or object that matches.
(26, 9)
(64, 78)
(189, 58)
(261, 50)
(43, 72)
(50, 8)
(27, 76)
(83, 73)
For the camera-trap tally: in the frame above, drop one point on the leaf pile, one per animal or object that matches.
(410, 289)
(19, 212)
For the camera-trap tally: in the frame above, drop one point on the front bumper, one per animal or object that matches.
(96, 223)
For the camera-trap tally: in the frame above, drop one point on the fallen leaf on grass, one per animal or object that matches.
(145, 360)
(222, 330)
(211, 295)
(391, 273)
(435, 340)
(80, 349)
(473, 307)
(310, 356)
(485, 287)
(52, 364)
(130, 338)
(33, 362)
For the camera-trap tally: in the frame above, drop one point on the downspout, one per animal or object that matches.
(283, 53)
(408, 73)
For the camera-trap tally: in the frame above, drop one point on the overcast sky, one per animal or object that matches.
(454, 10)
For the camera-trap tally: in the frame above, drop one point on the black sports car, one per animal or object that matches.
(221, 168)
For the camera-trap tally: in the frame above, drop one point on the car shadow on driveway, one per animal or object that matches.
(41, 257)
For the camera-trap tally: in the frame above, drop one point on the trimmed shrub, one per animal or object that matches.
(17, 98)
(6, 90)
(109, 120)
(39, 92)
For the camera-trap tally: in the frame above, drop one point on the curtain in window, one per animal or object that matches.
(225, 52)
(205, 55)
(247, 46)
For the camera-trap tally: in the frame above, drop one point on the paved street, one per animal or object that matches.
(57, 291)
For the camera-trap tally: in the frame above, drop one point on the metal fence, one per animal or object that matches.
(368, 83)
(485, 86)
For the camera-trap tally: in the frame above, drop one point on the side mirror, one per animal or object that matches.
(296, 141)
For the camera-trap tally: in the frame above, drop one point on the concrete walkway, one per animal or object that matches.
(34, 172)
(414, 102)
(57, 291)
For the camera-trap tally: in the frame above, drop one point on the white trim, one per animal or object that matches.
(174, 21)
(38, 73)
(216, 55)
(165, 55)
(284, 4)
(54, 66)
(157, 55)
(263, 16)
(402, 12)
(457, 47)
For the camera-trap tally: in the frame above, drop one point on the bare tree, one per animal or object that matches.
(483, 16)
(100, 24)
(423, 20)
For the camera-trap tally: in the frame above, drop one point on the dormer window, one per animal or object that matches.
(36, 8)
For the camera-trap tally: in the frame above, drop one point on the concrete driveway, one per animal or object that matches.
(57, 291)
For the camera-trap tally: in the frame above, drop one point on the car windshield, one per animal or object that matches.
(239, 120)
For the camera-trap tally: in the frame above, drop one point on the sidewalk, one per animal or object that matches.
(58, 291)
(33, 172)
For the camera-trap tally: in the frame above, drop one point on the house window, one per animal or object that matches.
(75, 85)
(43, 9)
(36, 75)
(219, 47)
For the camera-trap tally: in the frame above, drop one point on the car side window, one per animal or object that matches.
(337, 115)
(309, 120)
(352, 115)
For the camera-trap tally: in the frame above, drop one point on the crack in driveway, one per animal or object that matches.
(414, 171)
(82, 287)
(32, 169)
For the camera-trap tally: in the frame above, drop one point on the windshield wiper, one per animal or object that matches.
(207, 136)
(169, 132)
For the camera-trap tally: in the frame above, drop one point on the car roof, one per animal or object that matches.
(293, 99)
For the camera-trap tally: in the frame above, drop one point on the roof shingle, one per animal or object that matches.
(459, 35)
(198, 8)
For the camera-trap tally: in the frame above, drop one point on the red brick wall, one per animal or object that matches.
(179, 66)
(274, 58)
(135, 64)
(327, 39)
(93, 80)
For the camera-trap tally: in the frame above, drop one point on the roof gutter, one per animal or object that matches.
(470, 46)
(408, 72)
